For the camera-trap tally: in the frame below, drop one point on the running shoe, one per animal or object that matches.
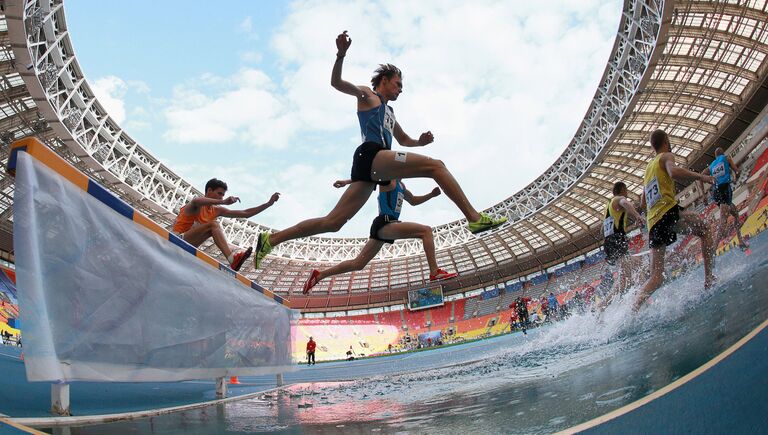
(485, 223)
(311, 281)
(441, 274)
(262, 249)
(239, 259)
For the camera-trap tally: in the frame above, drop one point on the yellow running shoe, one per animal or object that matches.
(262, 249)
(485, 223)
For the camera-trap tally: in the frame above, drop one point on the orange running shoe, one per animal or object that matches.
(239, 259)
(441, 274)
(311, 281)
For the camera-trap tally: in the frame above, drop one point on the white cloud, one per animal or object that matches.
(243, 108)
(110, 91)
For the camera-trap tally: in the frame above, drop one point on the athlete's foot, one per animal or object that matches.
(440, 274)
(262, 249)
(311, 281)
(239, 259)
(485, 223)
(710, 281)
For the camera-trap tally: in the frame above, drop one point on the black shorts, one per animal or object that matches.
(362, 162)
(380, 222)
(616, 247)
(722, 194)
(663, 233)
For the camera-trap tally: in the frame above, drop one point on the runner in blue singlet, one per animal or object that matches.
(374, 162)
(720, 169)
(386, 228)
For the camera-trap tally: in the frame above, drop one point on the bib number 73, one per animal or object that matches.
(652, 193)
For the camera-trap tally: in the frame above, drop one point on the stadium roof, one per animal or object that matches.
(694, 68)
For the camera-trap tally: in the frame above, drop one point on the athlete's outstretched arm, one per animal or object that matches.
(734, 166)
(630, 208)
(704, 171)
(407, 141)
(416, 200)
(341, 183)
(677, 173)
(249, 212)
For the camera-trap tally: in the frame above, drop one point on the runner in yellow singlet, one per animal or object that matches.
(665, 216)
(616, 245)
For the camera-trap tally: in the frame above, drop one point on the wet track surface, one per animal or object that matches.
(553, 378)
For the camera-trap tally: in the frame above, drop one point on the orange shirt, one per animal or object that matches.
(208, 213)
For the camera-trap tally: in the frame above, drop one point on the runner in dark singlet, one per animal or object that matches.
(374, 161)
(386, 228)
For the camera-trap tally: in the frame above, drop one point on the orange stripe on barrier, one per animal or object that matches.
(243, 279)
(207, 258)
(150, 224)
(46, 156)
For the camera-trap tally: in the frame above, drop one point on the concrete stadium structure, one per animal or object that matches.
(694, 68)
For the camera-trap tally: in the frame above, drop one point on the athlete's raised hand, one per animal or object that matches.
(341, 183)
(231, 200)
(343, 41)
(275, 196)
(426, 138)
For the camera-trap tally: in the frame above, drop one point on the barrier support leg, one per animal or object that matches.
(221, 387)
(60, 399)
(280, 380)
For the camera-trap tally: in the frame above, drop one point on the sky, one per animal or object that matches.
(241, 91)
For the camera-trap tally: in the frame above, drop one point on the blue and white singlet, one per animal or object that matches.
(390, 203)
(377, 124)
(721, 170)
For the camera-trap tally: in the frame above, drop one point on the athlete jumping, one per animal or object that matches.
(374, 162)
(197, 220)
(386, 228)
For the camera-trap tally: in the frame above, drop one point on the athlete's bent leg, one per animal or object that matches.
(656, 278)
(692, 224)
(349, 204)
(196, 235)
(735, 213)
(370, 249)
(411, 230)
(389, 165)
(722, 229)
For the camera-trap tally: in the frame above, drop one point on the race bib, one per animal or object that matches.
(608, 226)
(718, 170)
(652, 193)
(399, 202)
(389, 120)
